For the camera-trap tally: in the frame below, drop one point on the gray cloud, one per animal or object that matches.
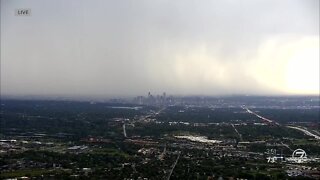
(131, 47)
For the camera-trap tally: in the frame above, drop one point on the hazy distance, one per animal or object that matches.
(130, 47)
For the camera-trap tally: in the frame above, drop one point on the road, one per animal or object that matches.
(259, 116)
(240, 135)
(124, 130)
(306, 132)
(162, 109)
(174, 165)
(287, 146)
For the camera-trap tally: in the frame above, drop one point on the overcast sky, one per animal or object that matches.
(131, 47)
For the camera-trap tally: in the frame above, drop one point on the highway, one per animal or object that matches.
(306, 132)
(259, 116)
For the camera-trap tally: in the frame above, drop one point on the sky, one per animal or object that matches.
(182, 47)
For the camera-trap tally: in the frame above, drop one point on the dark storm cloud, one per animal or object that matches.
(131, 47)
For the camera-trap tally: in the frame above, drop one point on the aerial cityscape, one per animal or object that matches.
(160, 90)
(162, 137)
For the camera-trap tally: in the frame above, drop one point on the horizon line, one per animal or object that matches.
(110, 97)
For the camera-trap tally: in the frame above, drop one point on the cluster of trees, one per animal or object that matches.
(203, 114)
(78, 118)
(291, 115)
